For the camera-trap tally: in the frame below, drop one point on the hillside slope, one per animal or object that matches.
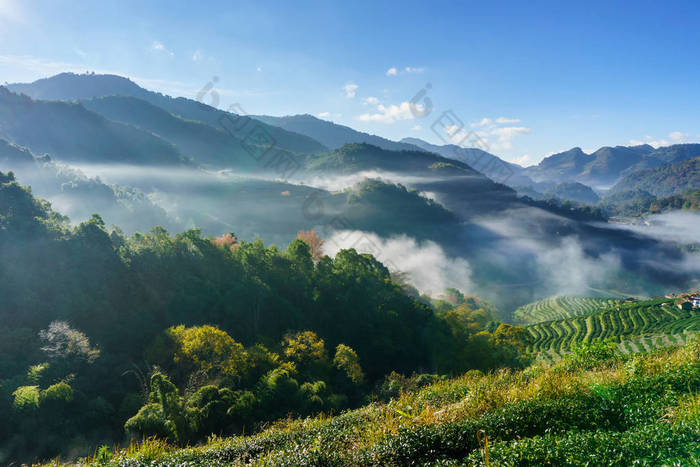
(492, 166)
(72, 133)
(596, 408)
(199, 141)
(665, 180)
(71, 86)
(607, 165)
(560, 307)
(634, 326)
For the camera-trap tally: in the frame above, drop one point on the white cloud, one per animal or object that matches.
(258, 69)
(510, 132)
(416, 128)
(505, 136)
(158, 46)
(197, 56)
(371, 101)
(524, 160)
(675, 137)
(391, 113)
(484, 122)
(329, 115)
(507, 120)
(350, 90)
(393, 71)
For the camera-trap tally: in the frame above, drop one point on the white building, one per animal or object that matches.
(695, 300)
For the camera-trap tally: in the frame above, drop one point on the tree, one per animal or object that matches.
(308, 352)
(347, 361)
(314, 242)
(164, 415)
(227, 241)
(62, 341)
(208, 349)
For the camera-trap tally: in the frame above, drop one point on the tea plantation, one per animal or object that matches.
(595, 406)
(635, 326)
(560, 307)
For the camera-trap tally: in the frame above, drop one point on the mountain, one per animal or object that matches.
(573, 191)
(607, 165)
(665, 180)
(559, 167)
(199, 141)
(362, 156)
(71, 86)
(331, 135)
(676, 153)
(72, 133)
(492, 166)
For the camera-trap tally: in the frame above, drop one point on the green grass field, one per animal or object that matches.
(560, 307)
(598, 409)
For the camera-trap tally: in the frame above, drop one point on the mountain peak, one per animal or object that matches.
(70, 86)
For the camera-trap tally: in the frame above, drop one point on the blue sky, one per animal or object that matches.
(527, 78)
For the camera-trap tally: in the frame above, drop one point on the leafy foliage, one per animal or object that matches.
(125, 324)
(620, 410)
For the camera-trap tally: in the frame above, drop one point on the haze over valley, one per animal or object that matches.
(357, 234)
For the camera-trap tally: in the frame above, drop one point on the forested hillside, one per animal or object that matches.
(72, 133)
(183, 336)
(663, 181)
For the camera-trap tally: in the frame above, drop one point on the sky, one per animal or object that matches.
(520, 79)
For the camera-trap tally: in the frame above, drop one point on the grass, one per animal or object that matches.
(642, 408)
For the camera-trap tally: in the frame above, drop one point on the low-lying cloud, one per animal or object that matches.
(429, 268)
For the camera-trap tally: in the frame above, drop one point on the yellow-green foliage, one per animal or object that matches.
(26, 397)
(640, 406)
(206, 348)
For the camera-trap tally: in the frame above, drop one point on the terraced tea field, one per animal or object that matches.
(561, 307)
(635, 326)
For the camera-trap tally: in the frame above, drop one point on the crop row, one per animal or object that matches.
(625, 323)
(561, 307)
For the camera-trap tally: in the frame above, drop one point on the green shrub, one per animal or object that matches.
(26, 398)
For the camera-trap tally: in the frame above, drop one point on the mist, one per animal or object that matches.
(675, 226)
(429, 268)
(341, 182)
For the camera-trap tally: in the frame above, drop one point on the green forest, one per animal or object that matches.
(109, 338)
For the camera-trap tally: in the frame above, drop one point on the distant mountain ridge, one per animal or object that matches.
(607, 165)
(492, 166)
(120, 122)
(332, 135)
(73, 133)
(664, 180)
(203, 143)
(71, 86)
